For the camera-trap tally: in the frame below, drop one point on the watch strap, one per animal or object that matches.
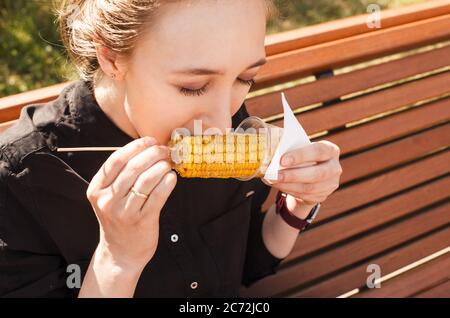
(290, 218)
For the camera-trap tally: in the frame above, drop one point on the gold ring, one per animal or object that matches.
(139, 194)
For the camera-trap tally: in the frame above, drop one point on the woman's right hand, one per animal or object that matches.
(129, 222)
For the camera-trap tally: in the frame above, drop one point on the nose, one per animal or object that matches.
(218, 116)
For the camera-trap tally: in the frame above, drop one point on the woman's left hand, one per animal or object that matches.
(312, 184)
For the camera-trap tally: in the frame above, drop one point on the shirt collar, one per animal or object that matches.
(83, 122)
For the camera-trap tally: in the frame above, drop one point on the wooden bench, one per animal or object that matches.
(383, 96)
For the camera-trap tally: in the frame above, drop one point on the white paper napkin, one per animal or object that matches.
(294, 136)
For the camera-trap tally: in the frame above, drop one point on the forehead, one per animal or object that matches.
(217, 34)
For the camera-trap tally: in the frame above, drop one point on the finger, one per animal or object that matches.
(297, 189)
(133, 168)
(267, 182)
(312, 174)
(316, 151)
(118, 159)
(145, 183)
(159, 195)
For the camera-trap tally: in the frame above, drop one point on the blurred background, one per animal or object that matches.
(31, 54)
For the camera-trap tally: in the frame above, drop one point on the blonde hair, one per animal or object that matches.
(116, 24)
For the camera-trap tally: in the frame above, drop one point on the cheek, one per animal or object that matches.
(152, 112)
(147, 113)
(154, 108)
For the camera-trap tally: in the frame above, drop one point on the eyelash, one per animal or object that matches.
(201, 91)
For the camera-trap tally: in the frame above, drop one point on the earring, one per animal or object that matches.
(113, 76)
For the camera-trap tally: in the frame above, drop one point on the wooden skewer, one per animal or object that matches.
(80, 149)
(87, 149)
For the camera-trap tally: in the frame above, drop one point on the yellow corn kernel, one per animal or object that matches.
(234, 155)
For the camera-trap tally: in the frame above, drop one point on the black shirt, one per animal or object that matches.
(210, 239)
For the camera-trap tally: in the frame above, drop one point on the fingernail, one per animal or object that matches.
(287, 161)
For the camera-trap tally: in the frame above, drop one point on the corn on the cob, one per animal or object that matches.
(234, 155)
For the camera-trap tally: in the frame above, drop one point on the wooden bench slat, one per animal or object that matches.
(394, 153)
(331, 88)
(350, 253)
(439, 291)
(321, 236)
(334, 30)
(311, 60)
(10, 106)
(383, 185)
(356, 276)
(413, 281)
(4, 126)
(327, 118)
(391, 127)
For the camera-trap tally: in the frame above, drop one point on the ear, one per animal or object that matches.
(109, 62)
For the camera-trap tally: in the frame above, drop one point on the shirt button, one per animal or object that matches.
(174, 238)
(194, 285)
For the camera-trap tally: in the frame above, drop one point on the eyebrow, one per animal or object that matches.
(204, 71)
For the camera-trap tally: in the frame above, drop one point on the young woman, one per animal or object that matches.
(124, 219)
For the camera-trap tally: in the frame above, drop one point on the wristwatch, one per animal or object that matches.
(291, 219)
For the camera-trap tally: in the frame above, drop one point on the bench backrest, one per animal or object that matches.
(383, 96)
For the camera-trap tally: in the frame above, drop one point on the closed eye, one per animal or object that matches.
(193, 92)
(247, 82)
(201, 91)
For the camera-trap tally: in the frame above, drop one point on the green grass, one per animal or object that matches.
(31, 55)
